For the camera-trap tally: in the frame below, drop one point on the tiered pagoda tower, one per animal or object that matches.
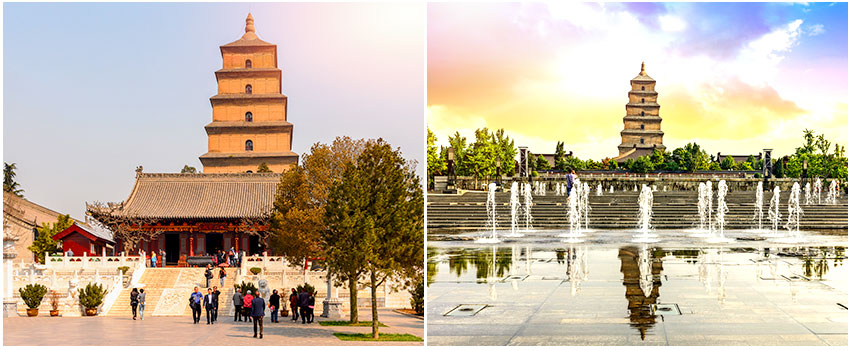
(642, 125)
(249, 124)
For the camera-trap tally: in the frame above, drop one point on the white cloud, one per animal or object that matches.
(815, 30)
(670, 23)
(757, 63)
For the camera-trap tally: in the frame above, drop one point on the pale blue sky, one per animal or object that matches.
(93, 90)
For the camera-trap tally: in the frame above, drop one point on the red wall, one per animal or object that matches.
(77, 243)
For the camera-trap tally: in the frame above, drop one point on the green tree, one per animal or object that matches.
(44, 243)
(461, 164)
(436, 163)
(728, 163)
(815, 152)
(9, 183)
(188, 170)
(612, 165)
(541, 163)
(560, 157)
(506, 150)
(779, 169)
(376, 220)
(691, 158)
(263, 168)
(298, 219)
(642, 165)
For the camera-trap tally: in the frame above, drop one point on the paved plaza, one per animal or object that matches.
(180, 331)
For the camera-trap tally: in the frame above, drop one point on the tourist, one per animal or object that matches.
(209, 305)
(162, 257)
(274, 305)
(246, 305)
(134, 301)
(195, 303)
(221, 275)
(231, 257)
(142, 303)
(153, 259)
(303, 305)
(258, 310)
(215, 293)
(570, 182)
(208, 275)
(293, 305)
(237, 305)
(310, 305)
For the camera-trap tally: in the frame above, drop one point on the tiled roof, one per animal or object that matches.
(202, 196)
(96, 231)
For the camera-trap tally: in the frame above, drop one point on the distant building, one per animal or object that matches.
(82, 238)
(21, 220)
(641, 133)
(550, 158)
(739, 158)
(249, 124)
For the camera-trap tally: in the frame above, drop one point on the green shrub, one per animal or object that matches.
(246, 286)
(124, 269)
(255, 270)
(307, 287)
(92, 295)
(32, 295)
(417, 298)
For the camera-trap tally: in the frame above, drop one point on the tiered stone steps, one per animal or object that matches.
(619, 210)
(168, 291)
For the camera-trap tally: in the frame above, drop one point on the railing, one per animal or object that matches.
(86, 261)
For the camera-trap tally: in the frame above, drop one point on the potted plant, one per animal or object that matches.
(54, 302)
(125, 278)
(32, 295)
(256, 270)
(91, 297)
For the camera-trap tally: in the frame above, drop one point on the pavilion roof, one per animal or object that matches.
(201, 196)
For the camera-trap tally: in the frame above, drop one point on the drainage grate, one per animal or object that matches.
(842, 305)
(795, 278)
(666, 309)
(551, 278)
(515, 278)
(466, 310)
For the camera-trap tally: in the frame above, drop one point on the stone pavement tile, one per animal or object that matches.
(578, 340)
(827, 327)
(437, 340)
(687, 340)
(574, 329)
(484, 330)
(834, 339)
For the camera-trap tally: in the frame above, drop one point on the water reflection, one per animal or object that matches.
(641, 276)
(577, 270)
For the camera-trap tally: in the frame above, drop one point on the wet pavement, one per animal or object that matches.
(539, 291)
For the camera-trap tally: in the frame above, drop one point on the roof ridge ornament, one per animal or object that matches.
(642, 68)
(249, 23)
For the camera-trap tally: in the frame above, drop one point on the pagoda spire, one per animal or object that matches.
(642, 65)
(249, 24)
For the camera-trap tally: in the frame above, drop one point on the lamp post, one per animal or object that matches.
(450, 186)
(498, 173)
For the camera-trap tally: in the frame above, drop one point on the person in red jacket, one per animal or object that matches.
(246, 304)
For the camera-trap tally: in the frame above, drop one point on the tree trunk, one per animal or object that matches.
(374, 287)
(352, 299)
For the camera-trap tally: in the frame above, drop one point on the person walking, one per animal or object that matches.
(258, 310)
(569, 183)
(153, 259)
(134, 301)
(216, 294)
(274, 305)
(310, 306)
(208, 275)
(195, 303)
(141, 299)
(293, 305)
(246, 305)
(162, 257)
(237, 306)
(221, 275)
(208, 305)
(303, 305)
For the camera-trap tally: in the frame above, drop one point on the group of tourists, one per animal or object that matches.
(208, 302)
(210, 272)
(154, 259)
(231, 257)
(137, 301)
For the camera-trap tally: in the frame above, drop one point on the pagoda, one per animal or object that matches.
(641, 133)
(249, 125)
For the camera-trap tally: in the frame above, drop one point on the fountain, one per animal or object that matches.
(491, 215)
(585, 206)
(702, 206)
(794, 212)
(574, 216)
(644, 216)
(722, 209)
(759, 205)
(818, 188)
(645, 268)
(599, 190)
(832, 195)
(808, 193)
(635, 189)
(773, 212)
(515, 208)
(611, 190)
(527, 202)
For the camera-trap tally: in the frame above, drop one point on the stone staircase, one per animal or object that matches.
(168, 291)
(619, 210)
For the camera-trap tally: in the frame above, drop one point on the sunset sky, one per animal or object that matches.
(92, 90)
(733, 77)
